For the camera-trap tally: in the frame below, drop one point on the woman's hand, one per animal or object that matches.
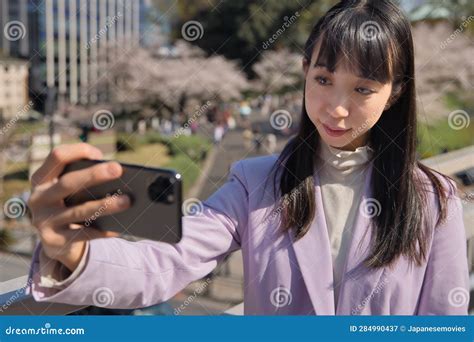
(61, 239)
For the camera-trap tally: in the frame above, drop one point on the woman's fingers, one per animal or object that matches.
(88, 212)
(62, 155)
(60, 238)
(75, 181)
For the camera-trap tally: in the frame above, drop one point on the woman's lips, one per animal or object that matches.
(335, 132)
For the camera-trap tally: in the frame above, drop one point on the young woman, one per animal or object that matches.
(344, 221)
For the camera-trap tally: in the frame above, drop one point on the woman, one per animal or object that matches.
(344, 221)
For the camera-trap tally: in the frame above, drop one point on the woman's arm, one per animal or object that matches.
(124, 274)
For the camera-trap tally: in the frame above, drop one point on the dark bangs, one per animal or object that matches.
(358, 42)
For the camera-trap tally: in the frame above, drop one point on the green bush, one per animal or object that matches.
(6, 238)
(154, 138)
(126, 142)
(194, 146)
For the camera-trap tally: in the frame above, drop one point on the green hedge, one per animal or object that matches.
(194, 146)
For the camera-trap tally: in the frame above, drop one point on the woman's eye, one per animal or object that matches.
(364, 91)
(322, 80)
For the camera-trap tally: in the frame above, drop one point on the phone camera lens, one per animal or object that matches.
(161, 190)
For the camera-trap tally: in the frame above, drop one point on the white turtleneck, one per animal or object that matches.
(342, 175)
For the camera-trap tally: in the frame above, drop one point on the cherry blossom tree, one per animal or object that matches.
(147, 78)
(443, 64)
(278, 72)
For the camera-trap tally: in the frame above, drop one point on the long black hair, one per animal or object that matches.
(397, 177)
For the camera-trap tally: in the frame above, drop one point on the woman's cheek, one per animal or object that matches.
(364, 122)
(313, 111)
(313, 104)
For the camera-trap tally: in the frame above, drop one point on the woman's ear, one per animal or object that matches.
(396, 92)
(388, 104)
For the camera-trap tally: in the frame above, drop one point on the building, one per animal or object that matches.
(14, 40)
(13, 88)
(70, 43)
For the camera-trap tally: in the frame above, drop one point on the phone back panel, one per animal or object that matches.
(158, 219)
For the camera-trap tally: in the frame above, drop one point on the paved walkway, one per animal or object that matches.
(232, 148)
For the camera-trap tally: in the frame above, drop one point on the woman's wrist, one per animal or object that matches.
(72, 259)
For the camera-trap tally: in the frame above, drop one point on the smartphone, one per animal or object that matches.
(156, 200)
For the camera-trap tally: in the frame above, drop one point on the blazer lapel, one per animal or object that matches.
(315, 261)
(359, 284)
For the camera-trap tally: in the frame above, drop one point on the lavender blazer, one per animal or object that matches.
(281, 276)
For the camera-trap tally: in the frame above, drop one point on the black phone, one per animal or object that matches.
(156, 199)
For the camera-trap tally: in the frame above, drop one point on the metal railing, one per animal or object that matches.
(15, 301)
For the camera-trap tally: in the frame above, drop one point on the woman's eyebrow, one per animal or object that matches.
(360, 77)
(321, 65)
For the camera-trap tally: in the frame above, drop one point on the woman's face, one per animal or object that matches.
(343, 106)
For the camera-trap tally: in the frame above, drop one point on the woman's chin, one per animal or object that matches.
(342, 142)
(345, 141)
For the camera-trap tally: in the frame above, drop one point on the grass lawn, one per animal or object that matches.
(188, 169)
(439, 137)
(152, 155)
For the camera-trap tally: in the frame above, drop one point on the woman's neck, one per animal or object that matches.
(336, 160)
(359, 141)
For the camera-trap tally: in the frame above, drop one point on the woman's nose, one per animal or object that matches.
(338, 111)
(338, 106)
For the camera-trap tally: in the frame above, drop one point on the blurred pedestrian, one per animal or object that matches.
(218, 133)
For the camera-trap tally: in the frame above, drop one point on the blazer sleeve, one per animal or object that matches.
(445, 289)
(125, 274)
